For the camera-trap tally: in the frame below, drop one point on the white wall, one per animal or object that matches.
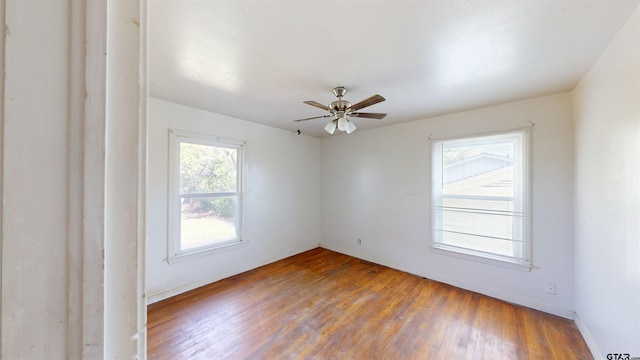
(281, 216)
(58, 131)
(607, 197)
(35, 210)
(376, 187)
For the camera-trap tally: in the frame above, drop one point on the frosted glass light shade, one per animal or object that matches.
(330, 127)
(343, 123)
(351, 127)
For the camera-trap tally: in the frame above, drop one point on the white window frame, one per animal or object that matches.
(521, 199)
(176, 137)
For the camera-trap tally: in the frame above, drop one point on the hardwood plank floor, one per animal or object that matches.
(325, 305)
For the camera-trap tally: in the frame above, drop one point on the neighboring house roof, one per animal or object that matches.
(473, 166)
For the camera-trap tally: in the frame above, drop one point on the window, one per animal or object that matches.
(205, 203)
(481, 196)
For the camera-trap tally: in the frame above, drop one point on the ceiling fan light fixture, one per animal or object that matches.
(351, 127)
(330, 127)
(343, 123)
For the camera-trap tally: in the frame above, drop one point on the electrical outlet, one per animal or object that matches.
(550, 288)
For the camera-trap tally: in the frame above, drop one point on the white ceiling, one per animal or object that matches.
(259, 60)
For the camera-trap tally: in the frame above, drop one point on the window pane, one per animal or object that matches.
(480, 224)
(207, 169)
(478, 169)
(207, 221)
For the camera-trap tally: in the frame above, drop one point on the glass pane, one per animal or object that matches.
(487, 245)
(207, 169)
(478, 169)
(481, 224)
(207, 221)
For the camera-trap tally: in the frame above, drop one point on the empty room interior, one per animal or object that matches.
(430, 189)
(188, 179)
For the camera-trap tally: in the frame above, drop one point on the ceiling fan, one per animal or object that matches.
(341, 110)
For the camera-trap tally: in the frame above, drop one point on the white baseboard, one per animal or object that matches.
(586, 335)
(565, 313)
(152, 298)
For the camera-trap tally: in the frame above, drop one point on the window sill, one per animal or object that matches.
(206, 251)
(481, 259)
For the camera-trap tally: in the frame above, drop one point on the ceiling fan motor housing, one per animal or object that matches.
(339, 106)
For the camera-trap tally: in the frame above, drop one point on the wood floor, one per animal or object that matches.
(325, 305)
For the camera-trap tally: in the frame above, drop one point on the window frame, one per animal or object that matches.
(522, 187)
(175, 253)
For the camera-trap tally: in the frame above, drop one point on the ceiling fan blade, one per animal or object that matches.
(368, 115)
(315, 117)
(367, 102)
(316, 104)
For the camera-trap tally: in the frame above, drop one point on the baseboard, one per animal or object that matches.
(586, 335)
(565, 313)
(153, 298)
